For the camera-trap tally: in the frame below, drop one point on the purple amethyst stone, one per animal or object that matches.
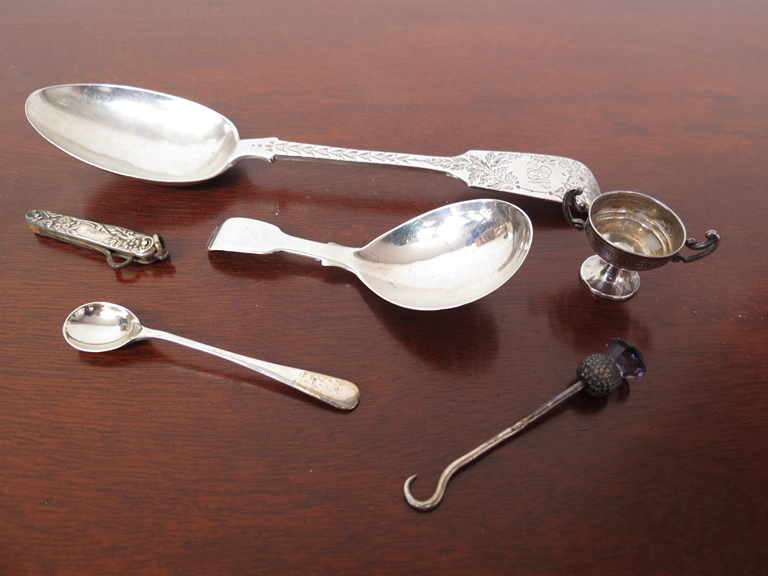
(628, 358)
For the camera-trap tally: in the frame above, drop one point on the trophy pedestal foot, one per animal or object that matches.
(608, 282)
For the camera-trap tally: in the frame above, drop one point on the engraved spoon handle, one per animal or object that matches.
(535, 175)
(334, 391)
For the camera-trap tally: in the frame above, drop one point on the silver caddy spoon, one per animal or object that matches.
(444, 258)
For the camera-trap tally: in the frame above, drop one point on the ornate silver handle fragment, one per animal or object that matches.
(109, 240)
(535, 175)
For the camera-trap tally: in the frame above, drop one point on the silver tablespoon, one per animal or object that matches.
(444, 258)
(162, 138)
(102, 326)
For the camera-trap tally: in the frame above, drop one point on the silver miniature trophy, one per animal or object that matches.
(630, 232)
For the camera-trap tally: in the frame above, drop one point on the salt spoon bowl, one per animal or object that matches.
(161, 138)
(447, 257)
(103, 326)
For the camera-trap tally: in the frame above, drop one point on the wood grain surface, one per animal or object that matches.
(155, 459)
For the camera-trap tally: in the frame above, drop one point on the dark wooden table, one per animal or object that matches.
(159, 460)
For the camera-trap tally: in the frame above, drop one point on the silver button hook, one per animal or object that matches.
(599, 375)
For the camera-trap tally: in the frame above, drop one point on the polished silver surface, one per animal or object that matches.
(112, 241)
(634, 231)
(102, 326)
(606, 281)
(630, 232)
(444, 258)
(162, 138)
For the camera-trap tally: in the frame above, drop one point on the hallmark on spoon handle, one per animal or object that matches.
(105, 238)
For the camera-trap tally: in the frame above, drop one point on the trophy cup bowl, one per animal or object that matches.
(630, 232)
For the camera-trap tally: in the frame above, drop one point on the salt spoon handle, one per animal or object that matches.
(599, 375)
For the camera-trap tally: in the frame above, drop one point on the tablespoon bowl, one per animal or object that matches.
(103, 326)
(133, 132)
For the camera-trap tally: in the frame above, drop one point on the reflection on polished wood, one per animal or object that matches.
(157, 460)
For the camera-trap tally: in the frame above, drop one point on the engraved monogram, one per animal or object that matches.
(540, 175)
(533, 174)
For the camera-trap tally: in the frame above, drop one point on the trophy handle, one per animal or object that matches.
(707, 247)
(570, 203)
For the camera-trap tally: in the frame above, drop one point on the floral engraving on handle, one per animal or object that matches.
(543, 175)
(341, 154)
(574, 174)
(493, 170)
(517, 172)
(555, 175)
(114, 237)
